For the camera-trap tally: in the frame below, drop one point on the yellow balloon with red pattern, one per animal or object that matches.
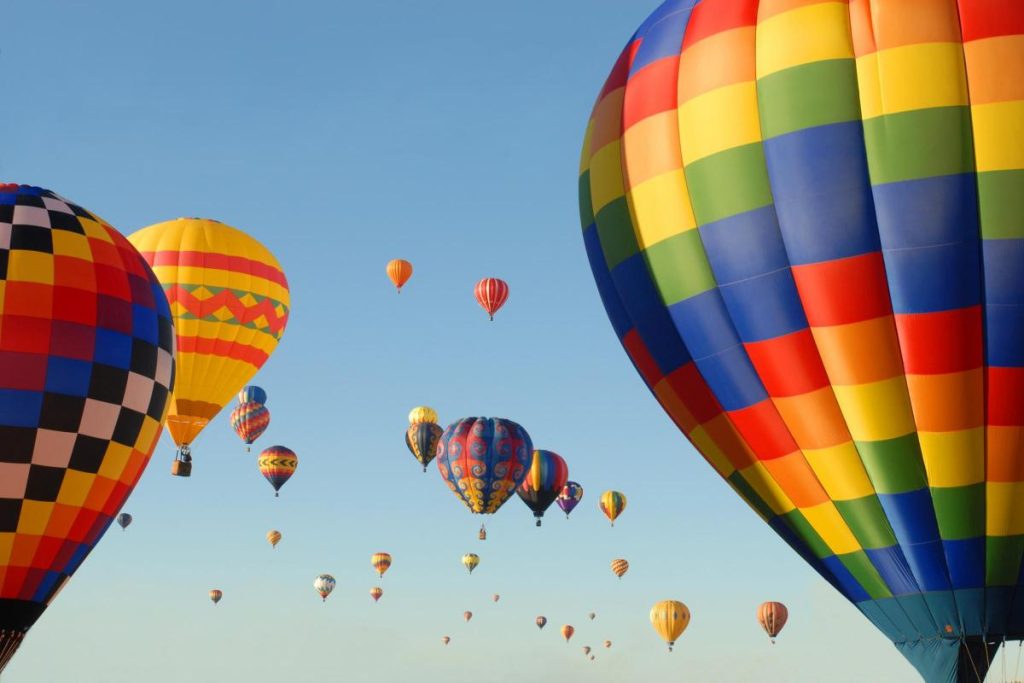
(230, 303)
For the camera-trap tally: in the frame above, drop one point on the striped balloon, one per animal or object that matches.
(422, 438)
(772, 616)
(376, 592)
(491, 293)
(277, 464)
(250, 420)
(381, 562)
(483, 460)
(620, 567)
(399, 271)
(252, 393)
(273, 537)
(216, 595)
(230, 303)
(541, 622)
(544, 481)
(612, 503)
(804, 220)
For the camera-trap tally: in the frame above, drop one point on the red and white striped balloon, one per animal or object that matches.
(492, 294)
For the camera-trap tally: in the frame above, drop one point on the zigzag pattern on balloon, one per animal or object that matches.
(265, 314)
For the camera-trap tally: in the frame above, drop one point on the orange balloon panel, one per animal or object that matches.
(230, 303)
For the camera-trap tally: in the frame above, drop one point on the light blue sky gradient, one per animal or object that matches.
(342, 135)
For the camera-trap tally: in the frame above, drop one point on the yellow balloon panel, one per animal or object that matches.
(230, 303)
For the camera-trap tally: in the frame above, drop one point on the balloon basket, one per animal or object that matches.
(180, 468)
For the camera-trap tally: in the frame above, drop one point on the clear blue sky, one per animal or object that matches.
(342, 135)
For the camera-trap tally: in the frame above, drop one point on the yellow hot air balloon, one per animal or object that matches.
(470, 560)
(274, 537)
(620, 567)
(670, 618)
(230, 303)
(381, 562)
(422, 414)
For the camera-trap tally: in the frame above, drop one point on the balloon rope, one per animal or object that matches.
(971, 658)
(1004, 659)
(1016, 668)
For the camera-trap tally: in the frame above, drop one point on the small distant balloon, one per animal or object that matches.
(620, 567)
(491, 293)
(545, 478)
(422, 414)
(376, 592)
(216, 595)
(399, 271)
(772, 616)
(592, 616)
(570, 497)
(467, 615)
(250, 420)
(277, 464)
(381, 562)
(608, 643)
(470, 561)
(495, 597)
(612, 504)
(324, 584)
(567, 632)
(124, 519)
(586, 649)
(273, 537)
(421, 439)
(541, 622)
(252, 394)
(445, 639)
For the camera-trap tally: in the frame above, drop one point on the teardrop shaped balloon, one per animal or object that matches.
(123, 520)
(252, 393)
(812, 257)
(86, 368)
(567, 632)
(324, 584)
(620, 567)
(230, 302)
(491, 293)
(250, 420)
(544, 481)
(570, 497)
(422, 414)
(216, 595)
(399, 271)
(381, 562)
(541, 622)
(470, 561)
(277, 464)
(586, 650)
(446, 639)
(608, 644)
(483, 460)
(467, 615)
(670, 618)
(495, 597)
(592, 616)
(612, 503)
(376, 592)
(273, 537)
(772, 616)
(422, 438)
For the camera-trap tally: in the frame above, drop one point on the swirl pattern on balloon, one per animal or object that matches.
(483, 460)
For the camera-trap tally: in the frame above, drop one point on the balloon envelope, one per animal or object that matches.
(569, 498)
(567, 632)
(670, 618)
(376, 592)
(124, 519)
(399, 271)
(544, 481)
(250, 420)
(491, 293)
(620, 567)
(813, 262)
(467, 615)
(324, 584)
(422, 438)
(273, 537)
(483, 460)
(381, 562)
(216, 595)
(612, 503)
(422, 414)
(86, 368)
(470, 561)
(541, 622)
(277, 464)
(772, 616)
(230, 302)
(252, 393)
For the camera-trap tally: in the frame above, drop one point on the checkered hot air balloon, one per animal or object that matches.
(86, 369)
(230, 302)
(804, 221)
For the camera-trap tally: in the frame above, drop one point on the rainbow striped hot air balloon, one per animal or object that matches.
(804, 220)
(544, 481)
(230, 303)
(250, 420)
(612, 504)
(277, 464)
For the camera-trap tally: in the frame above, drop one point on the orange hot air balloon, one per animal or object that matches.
(376, 592)
(491, 293)
(399, 271)
(381, 562)
(772, 616)
(567, 632)
(620, 567)
(467, 615)
(230, 303)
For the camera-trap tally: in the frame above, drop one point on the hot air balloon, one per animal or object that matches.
(250, 420)
(495, 597)
(544, 481)
(124, 519)
(422, 439)
(483, 460)
(491, 293)
(612, 504)
(470, 561)
(230, 300)
(586, 650)
(381, 562)
(277, 464)
(324, 584)
(467, 615)
(86, 367)
(273, 537)
(422, 414)
(399, 271)
(445, 639)
(772, 616)
(570, 497)
(620, 567)
(591, 657)
(216, 595)
(608, 644)
(818, 277)
(567, 632)
(670, 618)
(376, 592)
(541, 622)
(592, 616)
(252, 394)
